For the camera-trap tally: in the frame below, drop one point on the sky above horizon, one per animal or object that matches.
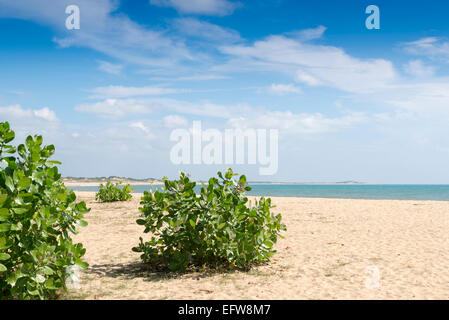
(349, 103)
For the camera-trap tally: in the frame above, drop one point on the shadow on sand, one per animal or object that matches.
(136, 270)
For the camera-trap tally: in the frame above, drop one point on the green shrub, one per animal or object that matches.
(111, 192)
(217, 228)
(37, 212)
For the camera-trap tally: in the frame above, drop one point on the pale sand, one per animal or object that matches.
(325, 253)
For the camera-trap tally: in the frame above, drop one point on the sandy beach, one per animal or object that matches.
(330, 250)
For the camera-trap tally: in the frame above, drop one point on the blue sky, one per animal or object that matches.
(349, 103)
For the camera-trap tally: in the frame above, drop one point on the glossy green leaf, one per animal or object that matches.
(82, 223)
(4, 214)
(24, 182)
(9, 184)
(4, 227)
(4, 256)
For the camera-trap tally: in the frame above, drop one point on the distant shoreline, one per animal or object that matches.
(93, 182)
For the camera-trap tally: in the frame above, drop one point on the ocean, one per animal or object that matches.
(341, 191)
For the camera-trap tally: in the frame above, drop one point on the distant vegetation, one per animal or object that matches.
(218, 228)
(113, 192)
(37, 212)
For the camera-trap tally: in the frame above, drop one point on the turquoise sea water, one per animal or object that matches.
(397, 192)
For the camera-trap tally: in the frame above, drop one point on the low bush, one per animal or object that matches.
(37, 212)
(217, 228)
(112, 192)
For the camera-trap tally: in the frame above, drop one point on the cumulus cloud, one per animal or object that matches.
(205, 7)
(17, 112)
(26, 122)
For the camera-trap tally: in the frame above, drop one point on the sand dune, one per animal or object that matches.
(332, 250)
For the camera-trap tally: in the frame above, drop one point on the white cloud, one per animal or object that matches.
(282, 89)
(427, 99)
(432, 47)
(139, 125)
(194, 77)
(206, 7)
(110, 67)
(195, 28)
(46, 114)
(312, 64)
(119, 108)
(174, 121)
(101, 30)
(418, 69)
(123, 92)
(309, 34)
(302, 123)
(202, 77)
(308, 79)
(17, 112)
(113, 108)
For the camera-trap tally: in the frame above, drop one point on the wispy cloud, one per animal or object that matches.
(202, 77)
(110, 67)
(432, 47)
(311, 64)
(418, 69)
(309, 34)
(194, 28)
(300, 123)
(101, 30)
(124, 92)
(114, 109)
(205, 7)
(282, 89)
